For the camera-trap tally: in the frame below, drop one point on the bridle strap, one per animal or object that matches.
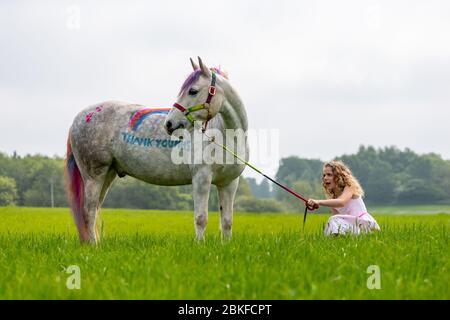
(185, 111)
(212, 88)
(180, 107)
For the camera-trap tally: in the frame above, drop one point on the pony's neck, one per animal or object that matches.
(233, 111)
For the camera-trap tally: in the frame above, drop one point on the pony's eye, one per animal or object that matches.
(192, 92)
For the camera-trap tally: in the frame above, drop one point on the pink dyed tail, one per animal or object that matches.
(75, 192)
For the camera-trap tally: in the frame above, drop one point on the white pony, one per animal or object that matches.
(116, 138)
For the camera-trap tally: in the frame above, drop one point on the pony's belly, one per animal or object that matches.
(153, 166)
(144, 150)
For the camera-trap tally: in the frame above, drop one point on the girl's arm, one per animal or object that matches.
(340, 202)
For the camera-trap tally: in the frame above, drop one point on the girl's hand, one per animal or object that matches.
(313, 203)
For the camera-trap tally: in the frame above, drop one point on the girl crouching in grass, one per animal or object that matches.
(344, 193)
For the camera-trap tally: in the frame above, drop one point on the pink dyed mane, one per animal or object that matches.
(194, 76)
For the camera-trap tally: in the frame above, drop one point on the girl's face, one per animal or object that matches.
(328, 178)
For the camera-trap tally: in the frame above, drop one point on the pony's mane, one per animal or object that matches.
(221, 72)
(193, 77)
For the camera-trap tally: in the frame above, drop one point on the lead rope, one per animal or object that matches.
(213, 140)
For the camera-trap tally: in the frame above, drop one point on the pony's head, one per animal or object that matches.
(200, 98)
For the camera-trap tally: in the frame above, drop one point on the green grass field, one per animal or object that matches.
(153, 255)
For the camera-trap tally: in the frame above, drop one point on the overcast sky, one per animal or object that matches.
(330, 75)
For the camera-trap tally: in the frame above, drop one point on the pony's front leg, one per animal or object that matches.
(201, 185)
(226, 201)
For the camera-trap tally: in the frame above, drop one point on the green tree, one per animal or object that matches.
(418, 191)
(305, 188)
(243, 188)
(250, 204)
(293, 169)
(380, 187)
(8, 191)
(45, 184)
(132, 193)
(261, 190)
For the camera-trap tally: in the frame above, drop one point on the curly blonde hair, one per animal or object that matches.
(343, 177)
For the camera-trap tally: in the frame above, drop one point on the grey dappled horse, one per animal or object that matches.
(117, 138)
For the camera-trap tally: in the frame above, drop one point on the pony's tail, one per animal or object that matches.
(75, 192)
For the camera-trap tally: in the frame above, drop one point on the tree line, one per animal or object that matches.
(38, 181)
(388, 176)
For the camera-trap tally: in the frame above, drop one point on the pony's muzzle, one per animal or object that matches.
(168, 126)
(171, 126)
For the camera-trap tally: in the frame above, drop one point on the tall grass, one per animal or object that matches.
(153, 255)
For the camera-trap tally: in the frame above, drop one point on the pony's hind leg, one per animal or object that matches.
(95, 192)
(91, 201)
(109, 179)
(226, 201)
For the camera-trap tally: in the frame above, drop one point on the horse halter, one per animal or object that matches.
(211, 93)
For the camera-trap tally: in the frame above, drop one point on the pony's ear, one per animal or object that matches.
(204, 68)
(194, 65)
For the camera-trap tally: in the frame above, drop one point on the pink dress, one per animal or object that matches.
(353, 218)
